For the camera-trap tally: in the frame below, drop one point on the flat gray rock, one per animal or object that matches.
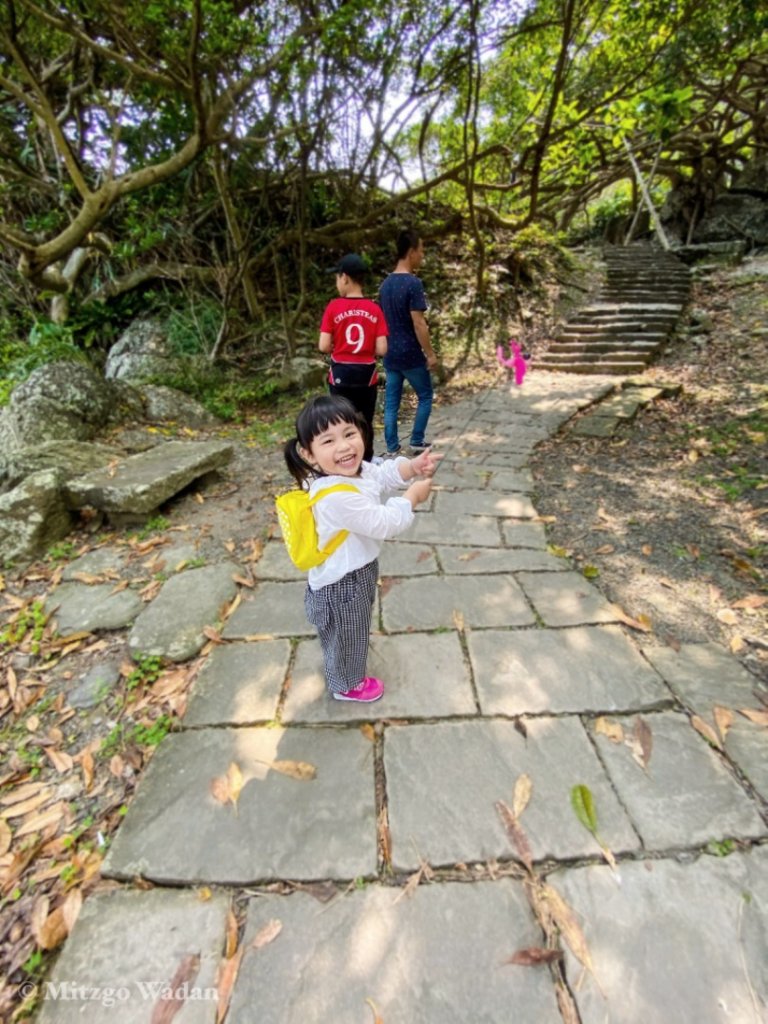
(486, 503)
(172, 625)
(176, 832)
(481, 561)
(524, 535)
(436, 602)
(125, 950)
(271, 609)
(511, 480)
(95, 563)
(239, 684)
(78, 607)
(588, 668)
(92, 688)
(444, 779)
(705, 676)
(566, 599)
(424, 676)
(398, 559)
(143, 482)
(746, 744)
(433, 957)
(673, 943)
(450, 528)
(687, 796)
(275, 564)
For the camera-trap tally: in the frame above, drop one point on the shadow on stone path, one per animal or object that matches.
(499, 660)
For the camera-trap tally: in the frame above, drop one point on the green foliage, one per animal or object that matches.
(154, 525)
(28, 626)
(147, 671)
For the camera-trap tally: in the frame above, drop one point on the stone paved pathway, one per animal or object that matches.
(500, 661)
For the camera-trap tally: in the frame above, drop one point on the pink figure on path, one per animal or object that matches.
(515, 362)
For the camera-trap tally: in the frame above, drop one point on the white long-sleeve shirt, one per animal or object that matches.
(371, 516)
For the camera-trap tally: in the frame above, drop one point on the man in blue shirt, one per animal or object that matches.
(410, 355)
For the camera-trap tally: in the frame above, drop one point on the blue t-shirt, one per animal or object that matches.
(398, 296)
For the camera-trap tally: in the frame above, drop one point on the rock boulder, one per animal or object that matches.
(141, 352)
(33, 516)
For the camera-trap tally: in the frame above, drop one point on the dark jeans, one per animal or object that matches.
(420, 380)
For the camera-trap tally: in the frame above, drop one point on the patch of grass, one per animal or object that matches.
(147, 671)
(154, 525)
(27, 625)
(61, 552)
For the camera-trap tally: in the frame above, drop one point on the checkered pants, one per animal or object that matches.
(341, 613)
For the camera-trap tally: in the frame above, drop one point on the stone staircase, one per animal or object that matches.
(638, 306)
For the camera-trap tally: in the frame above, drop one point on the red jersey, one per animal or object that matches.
(354, 325)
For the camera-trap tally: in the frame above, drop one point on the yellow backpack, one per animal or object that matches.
(294, 512)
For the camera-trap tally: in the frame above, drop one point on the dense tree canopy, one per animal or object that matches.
(220, 142)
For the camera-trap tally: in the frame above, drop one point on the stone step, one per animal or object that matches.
(640, 348)
(616, 356)
(581, 367)
(133, 489)
(607, 328)
(621, 340)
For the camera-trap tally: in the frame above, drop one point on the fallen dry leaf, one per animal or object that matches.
(758, 717)
(267, 933)
(569, 927)
(723, 720)
(458, 620)
(227, 975)
(226, 788)
(612, 730)
(750, 601)
(727, 616)
(376, 1018)
(516, 834)
(706, 731)
(6, 837)
(300, 770)
(175, 994)
(641, 742)
(534, 956)
(60, 760)
(523, 790)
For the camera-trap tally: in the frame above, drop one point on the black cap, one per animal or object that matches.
(351, 264)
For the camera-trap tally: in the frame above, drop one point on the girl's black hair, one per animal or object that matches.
(317, 415)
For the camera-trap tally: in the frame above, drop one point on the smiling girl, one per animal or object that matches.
(328, 448)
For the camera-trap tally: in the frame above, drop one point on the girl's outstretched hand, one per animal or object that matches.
(418, 491)
(426, 463)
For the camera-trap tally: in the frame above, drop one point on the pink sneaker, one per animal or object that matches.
(369, 690)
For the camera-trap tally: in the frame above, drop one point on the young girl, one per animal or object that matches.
(331, 437)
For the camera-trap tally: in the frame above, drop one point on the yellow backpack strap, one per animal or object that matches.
(337, 540)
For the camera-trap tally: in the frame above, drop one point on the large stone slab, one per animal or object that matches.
(275, 564)
(33, 516)
(398, 559)
(434, 957)
(172, 625)
(436, 602)
(524, 535)
(143, 482)
(747, 744)
(79, 607)
(443, 781)
(511, 480)
(450, 528)
(239, 684)
(176, 832)
(485, 503)
(566, 599)
(481, 561)
(704, 676)
(588, 668)
(687, 796)
(425, 677)
(271, 609)
(683, 943)
(126, 948)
